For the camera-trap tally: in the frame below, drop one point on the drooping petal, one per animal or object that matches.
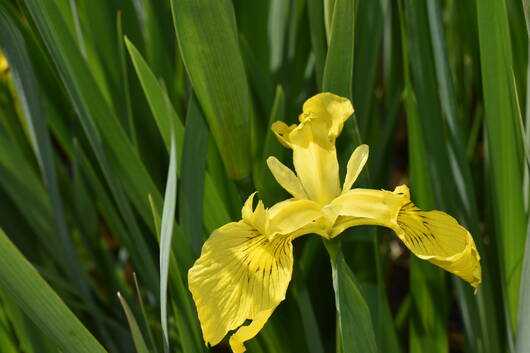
(434, 235)
(282, 131)
(355, 164)
(245, 333)
(240, 276)
(437, 237)
(315, 160)
(286, 178)
(329, 107)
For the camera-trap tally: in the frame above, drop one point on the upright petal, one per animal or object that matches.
(355, 165)
(258, 216)
(329, 107)
(315, 160)
(286, 178)
(240, 276)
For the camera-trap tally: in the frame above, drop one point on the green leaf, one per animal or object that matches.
(370, 18)
(309, 320)
(523, 326)
(315, 11)
(112, 147)
(478, 312)
(14, 47)
(270, 190)
(166, 234)
(354, 325)
(427, 329)
(156, 98)
(30, 338)
(136, 333)
(338, 70)
(218, 213)
(22, 184)
(207, 36)
(278, 25)
(125, 97)
(504, 144)
(42, 305)
(192, 176)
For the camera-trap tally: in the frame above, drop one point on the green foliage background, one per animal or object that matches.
(101, 95)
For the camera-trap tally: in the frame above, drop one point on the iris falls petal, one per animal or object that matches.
(431, 235)
(240, 276)
(245, 268)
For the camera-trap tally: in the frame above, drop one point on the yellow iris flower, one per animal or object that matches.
(3, 63)
(245, 267)
(434, 236)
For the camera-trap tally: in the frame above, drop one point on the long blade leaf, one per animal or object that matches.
(35, 297)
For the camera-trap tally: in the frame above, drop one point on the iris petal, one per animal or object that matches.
(431, 235)
(296, 217)
(286, 178)
(245, 333)
(245, 268)
(437, 237)
(355, 165)
(335, 110)
(282, 131)
(239, 276)
(315, 160)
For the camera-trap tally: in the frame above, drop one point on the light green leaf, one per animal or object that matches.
(523, 326)
(37, 299)
(504, 144)
(136, 333)
(166, 234)
(14, 47)
(154, 93)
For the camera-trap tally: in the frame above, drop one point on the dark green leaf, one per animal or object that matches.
(209, 46)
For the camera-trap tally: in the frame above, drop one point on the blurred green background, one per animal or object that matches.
(99, 96)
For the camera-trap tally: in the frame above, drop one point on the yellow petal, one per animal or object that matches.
(364, 207)
(437, 237)
(355, 164)
(256, 217)
(239, 276)
(434, 236)
(245, 333)
(286, 178)
(282, 131)
(3, 63)
(315, 160)
(247, 212)
(327, 106)
(295, 217)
